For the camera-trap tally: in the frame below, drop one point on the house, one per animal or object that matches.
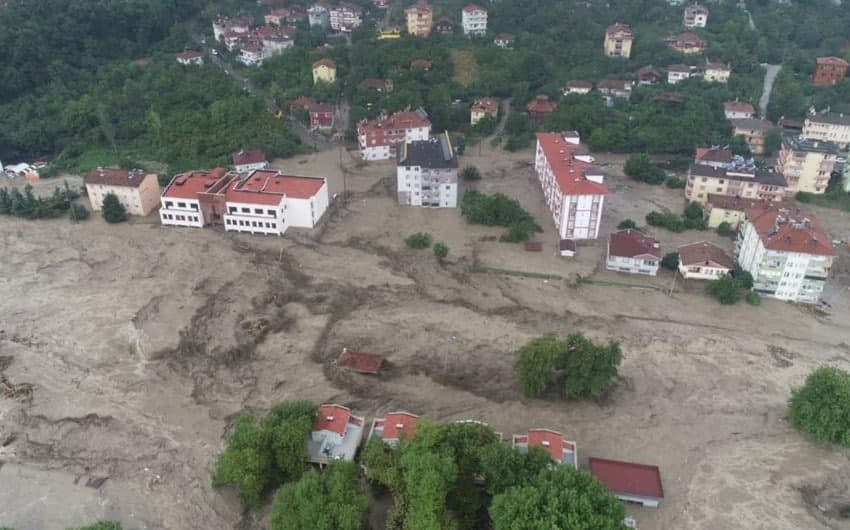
(190, 57)
(633, 252)
(473, 19)
(318, 16)
(790, 126)
(251, 54)
(560, 450)
(336, 435)
(345, 17)
(504, 41)
(539, 108)
(324, 70)
(647, 76)
(628, 481)
(277, 42)
(195, 198)
(674, 98)
(378, 85)
(738, 110)
(577, 86)
(420, 18)
(687, 43)
(321, 116)
(381, 4)
(717, 73)
(249, 160)
(739, 178)
(704, 261)
(444, 25)
(618, 40)
(394, 427)
(360, 362)
(137, 191)
(22, 170)
(829, 71)
(617, 88)
(379, 138)
(277, 17)
(713, 156)
(788, 254)
(483, 107)
(695, 16)
(754, 132)
(233, 40)
(420, 64)
(238, 25)
(827, 127)
(572, 186)
(389, 33)
(567, 248)
(680, 72)
(426, 173)
(730, 209)
(807, 165)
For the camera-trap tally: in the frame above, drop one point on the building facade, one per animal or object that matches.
(807, 165)
(190, 57)
(828, 127)
(560, 450)
(426, 174)
(730, 209)
(687, 43)
(830, 71)
(345, 17)
(717, 73)
(679, 72)
(319, 17)
(481, 108)
(420, 19)
(324, 71)
(633, 252)
(738, 179)
(474, 20)
(379, 138)
(249, 160)
(738, 110)
(695, 16)
(137, 191)
(704, 261)
(754, 132)
(618, 40)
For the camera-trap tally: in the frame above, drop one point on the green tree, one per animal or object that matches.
(470, 173)
(627, 224)
(670, 261)
(441, 250)
(504, 467)
(78, 212)
(724, 229)
(112, 209)
(772, 142)
(536, 364)
(725, 290)
(419, 240)
(640, 167)
(821, 407)
(587, 369)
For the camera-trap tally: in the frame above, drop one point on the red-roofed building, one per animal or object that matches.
(540, 107)
(396, 426)
(713, 156)
(704, 261)
(379, 138)
(687, 43)
(633, 252)
(618, 40)
(136, 190)
(361, 362)
(481, 108)
(553, 442)
(336, 435)
(249, 160)
(830, 70)
(736, 110)
(630, 482)
(504, 40)
(787, 252)
(577, 86)
(190, 57)
(195, 198)
(572, 186)
(277, 16)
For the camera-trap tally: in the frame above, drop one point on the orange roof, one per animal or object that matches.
(631, 243)
(399, 120)
(618, 28)
(365, 363)
(397, 424)
(835, 61)
(541, 104)
(569, 171)
(782, 230)
(706, 253)
(248, 157)
(299, 187)
(188, 185)
(325, 62)
(332, 418)
(488, 105)
(738, 106)
(551, 441)
(628, 478)
(189, 54)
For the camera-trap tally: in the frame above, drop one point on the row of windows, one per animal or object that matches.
(172, 217)
(255, 224)
(257, 211)
(170, 204)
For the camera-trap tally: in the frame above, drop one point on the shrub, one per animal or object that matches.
(821, 407)
(753, 298)
(640, 167)
(164, 179)
(470, 173)
(78, 212)
(499, 210)
(418, 240)
(668, 220)
(441, 250)
(112, 209)
(675, 182)
(724, 229)
(803, 196)
(725, 290)
(693, 216)
(670, 261)
(626, 224)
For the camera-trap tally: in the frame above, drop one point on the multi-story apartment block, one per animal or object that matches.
(136, 190)
(730, 209)
(740, 178)
(427, 173)
(806, 164)
(754, 132)
(830, 71)
(788, 254)
(420, 19)
(618, 40)
(474, 20)
(633, 252)
(345, 17)
(379, 138)
(318, 16)
(572, 186)
(828, 127)
(695, 16)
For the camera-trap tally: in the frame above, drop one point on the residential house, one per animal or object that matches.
(730, 209)
(474, 20)
(789, 126)
(687, 43)
(680, 72)
(318, 16)
(483, 107)
(251, 54)
(559, 449)
(345, 17)
(277, 41)
(788, 254)
(381, 4)
(137, 191)
(324, 70)
(647, 76)
(830, 70)
(378, 85)
(695, 16)
(630, 482)
(420, 18)
(673, 98)
(713, 156)
(321, 116)
(577, 86)
(617, 88)
(190, 57)
(828, 127)
(336, 435)
(717, 73)
(277, 17)
(426, 173)
(754, 132)
(572, 186)
(740, 178)
(444, 25)
(618, 40)
(379, 138)
(21, 170)
(394, 427)
(738, 110)
(389, 33)
(504, 41)
(233, 40)
(249, 160)
(704, 261)
(633, 252)
(807, 165)
(238, 25)
(539, 108)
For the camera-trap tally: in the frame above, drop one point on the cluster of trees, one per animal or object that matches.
(499, 210)
(576, 365)
(421, 240)
(691, 219)
(730, 288)
(640, 167)
(821, 407)
(27, 206)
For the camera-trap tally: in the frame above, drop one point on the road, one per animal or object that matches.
(506, 110)
(770, 73)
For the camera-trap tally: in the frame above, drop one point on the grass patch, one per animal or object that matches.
(465, 70)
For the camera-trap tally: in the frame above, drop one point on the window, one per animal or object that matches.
(181, 204)
(232, 209)
(246, 210)
(194, 206)
(169, 204)
(258, 211)
(273, 213)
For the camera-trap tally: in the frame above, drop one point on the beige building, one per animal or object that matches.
(806, 164)
(734, 181)
(828, 127)
(717, 73)
(481, 108)
(618, 40)
(754, 132)
(136, 190)
(729, 209)
(324, 71)
(420, 19)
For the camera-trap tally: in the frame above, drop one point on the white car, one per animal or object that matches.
(214, 52)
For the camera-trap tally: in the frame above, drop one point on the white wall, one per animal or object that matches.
(181, 212)
(701, 272)
(253, 221)
(250, 167)
(586, 226)
(305, 213)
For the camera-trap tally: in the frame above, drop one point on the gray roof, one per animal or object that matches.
(752, 123)
(798, 143)
(769, 178)
(435, 153)
(830, 117)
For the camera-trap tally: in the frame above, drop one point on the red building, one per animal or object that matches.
(830, 70)
(539, 108)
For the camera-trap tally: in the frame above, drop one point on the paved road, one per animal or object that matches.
(506, 109)
(771, 71)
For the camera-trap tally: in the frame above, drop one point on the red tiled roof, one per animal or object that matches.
(373, 83)
(365, 363)
(398, 423)
(782, 230)
(708, 154)
(304, 102)
(298, 187)
(578, 83)
(541, 104)
(614, 84)
(834, 61)
(130, 178)
(731, 202)
(686, 39)
(551, 441)
(631, 243)
(738, 106)
(189, 54)
(470, 8)
(325, 62)
(243, 157)
(188, 185)
(704, 252)
(400, 120)
(617, 28)
(567, 244)
(627, 477)
(569, 171)
(254, 190)
(488, 105)
(505, 36)
(332, 418)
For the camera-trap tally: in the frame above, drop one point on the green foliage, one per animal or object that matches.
(670, 261)
(744, 278)
(100, 525)
(441, 250)
(261, 456)
(724, 229)
(535, 366)
(78, 212)
(803, 196)
(27, 206)
(112, 209)
(693, 218)
(772, 142)
(675, 182)
(821, 407)
(725, 290)
(470, 173)
(504, 467)
(640, 167)
(753, 298)
(499, 210)
(418, 240)
(331, 500)
(627, 224)
(666, 219)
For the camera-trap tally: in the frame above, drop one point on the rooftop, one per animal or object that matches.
(632, 243)
(129, 178)
(325, 62)
(364, 363)
(435, 153)
(398, 121)
(471, 8)
(752, 124)
(798, 143)
(189, 54)
(731, 202)
(834, 61)
(739, 106)
(704, 253)
(786, 230)
(579, 83)
(627, 477)
(243, 157)
(188, 185)
(570, 172)
(266, 186)
(488, 105)
(332, 418)
(714, 154)
(560, 450)
(614, 84)
(336, 434)
(831, 118)
(732, 172)
(395, 426)
(618, 27)
(541, 104)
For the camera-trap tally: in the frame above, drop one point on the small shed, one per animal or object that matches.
(361, 362)
(533, 246)
(567, 248)
(630, 482)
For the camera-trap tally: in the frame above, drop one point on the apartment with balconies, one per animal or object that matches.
(828, 127)
(739, 178)
(806, 164)
(420, 19)
(427, 173)
(618, 40)
(474, 20)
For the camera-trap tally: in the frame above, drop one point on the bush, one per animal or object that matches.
(821, 407)
(499, 210)
(724, 229)
(626, 224)
(78, 212)
(753, 298)
(725, 290)
(744, 278)
(693, 217)
(470, 173)
(164, 179)
(419, 240)
(640, 167)
(803, 196)
(112, 209)
(675, 182)
(441, 250)
(670, 261)
(668, 220)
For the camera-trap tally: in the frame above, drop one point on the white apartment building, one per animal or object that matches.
(828, 127)
(379, 138)
(788, 254)
(474, 20)
(572, 187)
(345, 17)
(427, 173)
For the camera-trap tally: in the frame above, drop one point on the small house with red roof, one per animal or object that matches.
(249, 160)
(830, 71)
(539, 108)
(704, 261)
(336, 435)
(483, 107)
(633, 252)
(553, 442)
(628, 481)
(393, 428)
(687, 43)
(736, 110)
(577, 86)
(190, 57)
